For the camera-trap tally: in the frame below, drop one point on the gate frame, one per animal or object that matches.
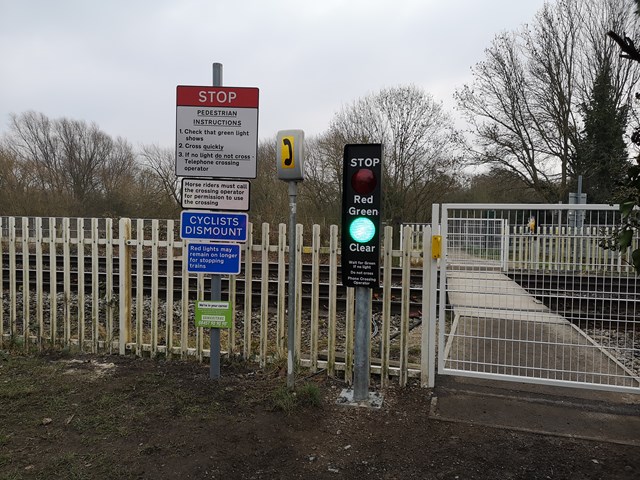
(440, 216)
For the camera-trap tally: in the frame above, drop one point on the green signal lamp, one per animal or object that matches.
(362, 230)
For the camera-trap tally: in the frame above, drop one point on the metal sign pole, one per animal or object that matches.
(361, 345)
(291, 317)
(216, 280)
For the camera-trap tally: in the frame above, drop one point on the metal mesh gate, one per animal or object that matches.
(533, 295)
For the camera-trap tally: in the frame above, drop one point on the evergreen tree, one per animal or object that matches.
(601, 153)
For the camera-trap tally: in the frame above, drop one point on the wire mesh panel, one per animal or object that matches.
(534, 294)
(476, 241)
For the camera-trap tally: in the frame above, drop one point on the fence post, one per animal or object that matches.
(39, 282)
(169, 308)
(387, 268)
(184, 314)
(66, 253)
(282, 288)
(53, 281)
(109, 282)
(404, 315)
(95, 287)
(348, 335)
(333, 283)
(248, 290)
(315, 293)
(80, 234)
(13, 314)
(264, 296)
(26, 313)
(124, 289)
(155, 273)
(139, 285)
(2, 290)
(298, 292)
(429, 295)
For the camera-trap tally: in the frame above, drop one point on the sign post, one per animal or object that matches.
(216, 138)
(216, 280)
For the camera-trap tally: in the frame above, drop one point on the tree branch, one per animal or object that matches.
(626, 45)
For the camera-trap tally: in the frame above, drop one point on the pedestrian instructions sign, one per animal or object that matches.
(216, 132)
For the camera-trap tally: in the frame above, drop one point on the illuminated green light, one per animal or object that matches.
(362, 230)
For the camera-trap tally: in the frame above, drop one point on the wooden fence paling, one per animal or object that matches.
(81, 296)
(95, 288)
(168, 327)
(39, 283)
(348, 335)
(200, 330)
(298, 291)
(155, 273)
(248, 280)
(53, 284)
(1, 289)
(184, 317)
(264, 295)
(139, 285)
(13, 314)
(404, 314)
(333, 294)
(66, 254)
(231, 348)
(428, 340)
(282, 319)
(25, 284)
(109, 284)
(124, 290)
(386, 305)
(315, 293)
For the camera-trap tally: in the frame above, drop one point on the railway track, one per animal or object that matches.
(162, 281)
(396, 273)
(584, 297)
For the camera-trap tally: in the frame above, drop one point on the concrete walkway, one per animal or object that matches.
(499, 328)
(567, 412)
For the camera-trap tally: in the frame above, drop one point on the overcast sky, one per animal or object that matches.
(117, 63)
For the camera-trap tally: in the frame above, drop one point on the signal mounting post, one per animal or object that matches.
(290, 168)
(360, 256)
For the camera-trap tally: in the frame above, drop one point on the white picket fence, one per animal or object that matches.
(115, 290)
(88, 311)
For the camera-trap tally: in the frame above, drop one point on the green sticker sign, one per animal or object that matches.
(213, 314)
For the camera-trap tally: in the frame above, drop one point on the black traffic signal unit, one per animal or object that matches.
(361, 212)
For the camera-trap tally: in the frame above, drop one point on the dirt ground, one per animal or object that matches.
(108, 417)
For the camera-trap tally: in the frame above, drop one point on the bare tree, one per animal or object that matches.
(269, 197)
(162, 162)
(524, 105)
(419, 147)
(73, 165)
(321, 192)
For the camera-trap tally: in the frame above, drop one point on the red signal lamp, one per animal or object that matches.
(364, 181)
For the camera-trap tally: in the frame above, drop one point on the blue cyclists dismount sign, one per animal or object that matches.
(213, 226)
